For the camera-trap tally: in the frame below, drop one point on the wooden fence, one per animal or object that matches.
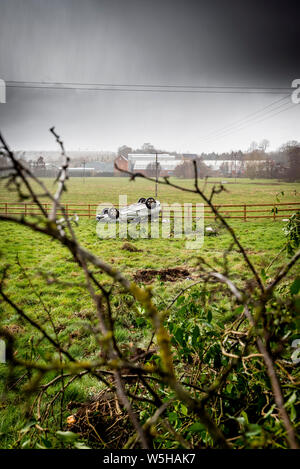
(235, 211)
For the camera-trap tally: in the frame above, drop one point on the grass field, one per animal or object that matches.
(97, 190)
(39, 258)
(261, 238)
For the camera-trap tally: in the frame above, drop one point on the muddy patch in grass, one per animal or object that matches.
(14, 329)
(130, 247)
(166, 275)
(102, 421)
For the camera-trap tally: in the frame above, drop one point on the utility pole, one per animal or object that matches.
(235, 166)
(156, 175)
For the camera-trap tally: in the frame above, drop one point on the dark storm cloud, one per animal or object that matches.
(264, 38)
(188, 42)
(216, 39)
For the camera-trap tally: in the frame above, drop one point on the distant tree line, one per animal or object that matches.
(257, 161)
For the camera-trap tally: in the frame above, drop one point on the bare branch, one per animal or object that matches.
(61, 178)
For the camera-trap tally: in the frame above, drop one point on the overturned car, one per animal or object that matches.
(142, 210)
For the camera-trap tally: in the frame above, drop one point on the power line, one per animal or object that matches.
(158, 88)
(254, 123)
(149, 88)
(233, 131)
(248, 119)
(151, 85)
(241, 120)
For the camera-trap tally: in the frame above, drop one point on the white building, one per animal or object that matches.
(141, 161)
(232, 166)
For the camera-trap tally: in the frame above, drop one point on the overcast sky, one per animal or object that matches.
(157, 42)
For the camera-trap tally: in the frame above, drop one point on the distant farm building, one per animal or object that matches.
(145, 162)
(101, 168)
(81, 172)
(189, 156)
(93, 168)
(225, 167)
(236, 167)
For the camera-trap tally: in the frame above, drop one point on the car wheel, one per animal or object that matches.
(150, 203)
(113, 213)
(105, 211)
(142, 200)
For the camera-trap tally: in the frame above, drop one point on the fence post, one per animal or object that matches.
(89, 211)
(5, 208)
(245, 214)
(25, 206)
(274, 213)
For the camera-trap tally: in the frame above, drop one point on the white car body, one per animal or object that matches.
(135, 211)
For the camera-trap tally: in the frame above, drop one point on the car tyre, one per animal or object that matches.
(150, 203)
(142, 200)
(113, 213)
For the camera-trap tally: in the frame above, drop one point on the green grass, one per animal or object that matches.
(41, 256)
(97, 190)
(71, 307)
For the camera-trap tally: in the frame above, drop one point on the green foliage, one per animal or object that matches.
(292, 233)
